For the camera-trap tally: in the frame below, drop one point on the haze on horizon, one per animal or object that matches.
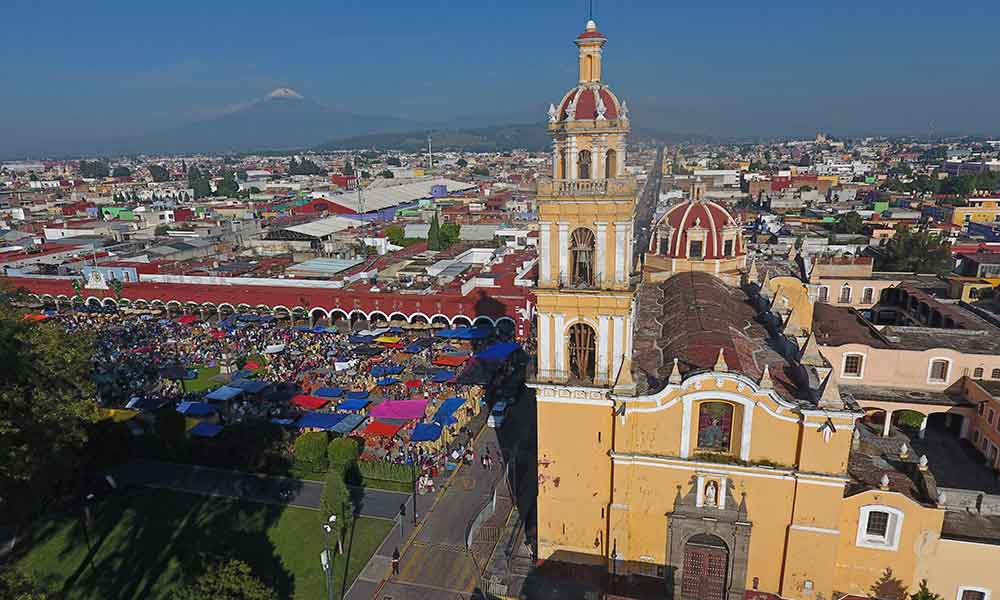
(77, 73)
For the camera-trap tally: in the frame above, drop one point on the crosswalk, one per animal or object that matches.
(443, 566)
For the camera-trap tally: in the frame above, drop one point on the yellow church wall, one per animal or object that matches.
(952, 565)
(819, 455)
(857, 568)
(574, 470)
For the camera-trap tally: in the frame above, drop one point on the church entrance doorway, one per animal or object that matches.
(706, 562)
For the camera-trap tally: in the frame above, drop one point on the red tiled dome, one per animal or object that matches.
(690, 214)
(586, 103)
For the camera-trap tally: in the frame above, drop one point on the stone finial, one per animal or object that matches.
(720, 363)
(942, 498)
(856, 439)
(752, 275)
(904, 450)
(810, 354)
(923, 462)
(765, 379)
(884, 482)
(830, 395)
(675, 374)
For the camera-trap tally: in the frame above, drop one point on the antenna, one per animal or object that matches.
(430, 154)
(591, 17)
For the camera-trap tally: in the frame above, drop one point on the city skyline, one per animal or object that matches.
(723, 71)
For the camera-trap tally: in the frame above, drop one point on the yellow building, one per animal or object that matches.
(978, 210)
(692, 438)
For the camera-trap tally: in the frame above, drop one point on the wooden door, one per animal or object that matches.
(704, 573)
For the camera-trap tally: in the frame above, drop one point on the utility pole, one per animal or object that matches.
(430, 154)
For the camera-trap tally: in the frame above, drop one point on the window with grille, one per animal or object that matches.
(977, 373)
(853, 364)
(939, 370)
(867, 296)
(696, 249)
(879, 527)
(582, 351)
(845, 295)
(995, 374)
(582, 257)
(878, 523)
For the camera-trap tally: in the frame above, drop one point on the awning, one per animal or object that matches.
(447, 409)
(447, 360)
(426, 432)
(317, 420)
(353, 405)
(223, 394)
(498, 352)
(308, 402)
(400, 409)
(187, 319)
(414, 383)
(250, 386)
(206, 430)
(274, 349)
(442, 376)
(357, 395)
(349, 423)
(329, 392)
(377, 429)
(195, 409)
(388, 339)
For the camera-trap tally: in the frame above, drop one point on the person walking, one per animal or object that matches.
(395, 561)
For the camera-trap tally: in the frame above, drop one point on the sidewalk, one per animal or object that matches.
(267, 489)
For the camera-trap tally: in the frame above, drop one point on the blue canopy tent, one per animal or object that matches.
(395, 330)
(387, 381)
(321, 329)
(357, 395)
(195, 409)
(445, 412)
(302, 328)
(465, 333)
(256, 319)
(223, 394)
(348, 424)
(206, 430)
(284, 422)
(329, 392)
(413, 349)
(243, 374)
(250, 386)
(426, 432)
(442, 377)
(498, 352)
(360, 339)
(318, 420)
(354, 404)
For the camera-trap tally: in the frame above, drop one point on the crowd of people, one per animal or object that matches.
(148, 359)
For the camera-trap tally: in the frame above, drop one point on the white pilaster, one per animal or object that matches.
(747, 428)
(686, 429)
(599, 252)
(571, 157)
(544, 253)
(617, 346)
(555, 160)
(621, 236)
(602, 348)
(559, 341)
(564, 253)
(544, 344)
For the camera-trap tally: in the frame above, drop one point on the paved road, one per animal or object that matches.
(646, 208)
(437, 564)
(251, 487)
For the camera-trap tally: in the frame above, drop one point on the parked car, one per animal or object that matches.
(497, 414)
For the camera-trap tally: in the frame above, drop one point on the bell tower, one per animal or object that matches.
(585, 234)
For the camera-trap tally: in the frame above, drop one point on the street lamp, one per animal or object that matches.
(325, 559)
(402, 521)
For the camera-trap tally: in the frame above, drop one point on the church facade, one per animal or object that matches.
(690, 433)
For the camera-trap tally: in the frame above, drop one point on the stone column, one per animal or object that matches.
(558, 341)
(887, 426)
(544, 253)
(544, 346)
(603, 372)
(600, 250)
(923, 427)
(564, 253)
(621, 237)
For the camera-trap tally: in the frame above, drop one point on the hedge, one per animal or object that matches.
(310, 451)
(386, 471)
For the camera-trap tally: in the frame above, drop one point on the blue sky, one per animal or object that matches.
(75, 70)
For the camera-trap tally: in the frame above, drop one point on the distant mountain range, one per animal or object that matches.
(283, 120)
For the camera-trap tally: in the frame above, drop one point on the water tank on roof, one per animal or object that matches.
(439, 191)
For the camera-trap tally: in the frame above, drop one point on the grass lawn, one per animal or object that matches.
(149, 542)
(205, 380)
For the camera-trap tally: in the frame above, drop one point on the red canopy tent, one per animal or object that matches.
(252, 365)
(308, 402)
(187, 319)
(414, 383)
(377, 429)
(447, 360)
(35, 317)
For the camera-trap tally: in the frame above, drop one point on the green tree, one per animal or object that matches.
(924, 593)
(16, 585)
(395, 234)
(93, 169)
(116, 287)
(849, 223)
(888, 587)
(229, 187)
(918, 252)
(231, 580)
(46, 406)
(462, 163)
(161, 230)
(450, 233)
(386, 174)
(434, 241)
(310, 451)
(337, 500)
(348, 169)
(341, 452)
(158, 173)
(121, 171)
(198, 182)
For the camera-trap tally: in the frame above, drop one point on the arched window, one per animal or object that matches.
(664, 243)
(867, 295)
(589, 67)
(845, 295)
(939, 370)
(610, 164)
(583, 164)
(715, 426)
(563, 173)
(582, 352)
(824, 293)
(582, 257)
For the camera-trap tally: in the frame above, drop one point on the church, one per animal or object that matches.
(691, 435)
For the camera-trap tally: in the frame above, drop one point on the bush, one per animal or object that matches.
(310, 451)
(386, 471)
(232, 580)
(341, 452)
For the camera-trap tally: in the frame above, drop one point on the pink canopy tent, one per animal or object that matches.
(400, 409)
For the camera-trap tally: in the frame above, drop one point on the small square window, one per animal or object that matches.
(853, 364)
(696, 251)
(824, 294)
(995, 374)
(878, 523)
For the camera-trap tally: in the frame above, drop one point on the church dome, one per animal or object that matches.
(698, 221)
(588, 102)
